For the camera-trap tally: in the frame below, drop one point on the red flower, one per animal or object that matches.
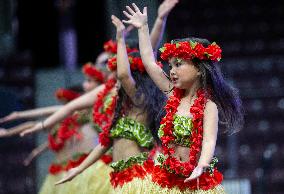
(127, 175)
(106, 158)
(103, 118)
(112, 64)
(90, 70)
(55, 169)
(111, 47)
(169, 180)
(66, 95)
(67, 129)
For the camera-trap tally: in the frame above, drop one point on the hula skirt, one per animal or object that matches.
(147, 178)
(94, 179)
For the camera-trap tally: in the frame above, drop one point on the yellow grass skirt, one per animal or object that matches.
(93, 180)
(146, 186)
(48, 186)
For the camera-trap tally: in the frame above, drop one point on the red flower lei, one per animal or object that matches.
(66, 95)
(72, 163)
(197, 110)
(104, 119)
(190, 50)
(106, 158)
(90, 70)
(111, 47)
(67, 129)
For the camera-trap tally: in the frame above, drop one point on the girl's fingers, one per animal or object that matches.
(126, 22)
(135, 7)
(145, 10)
(127, 14)
(130, 10)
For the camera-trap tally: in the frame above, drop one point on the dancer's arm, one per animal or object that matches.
(95, 155)
(210, 130)
(82, 102)
(17, 129)
(139, 20)
(160, 22)
(35, 153)
(38, 112)
(123, 66)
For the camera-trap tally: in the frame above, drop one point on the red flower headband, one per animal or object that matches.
(135, 64)
(111, 47)
(90, 70)
(190, 50)
(66, 95)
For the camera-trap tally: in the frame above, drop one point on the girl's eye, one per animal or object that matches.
(178, 64)
(170, 66)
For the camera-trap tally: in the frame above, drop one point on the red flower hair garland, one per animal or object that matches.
(135, 64)
(190, 50)
(90, 70)
(66, 95)
(111, 47)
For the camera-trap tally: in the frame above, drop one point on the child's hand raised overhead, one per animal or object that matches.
(120, 28)
(136, 18)
(166, 7)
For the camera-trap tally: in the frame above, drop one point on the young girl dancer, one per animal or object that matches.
(137, 105)
(197, 94)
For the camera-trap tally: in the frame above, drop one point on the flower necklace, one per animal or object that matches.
(67, 129)
(197, 111)
(103, 117)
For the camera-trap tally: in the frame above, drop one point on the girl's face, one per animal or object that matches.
(183, 73)
(89, 84)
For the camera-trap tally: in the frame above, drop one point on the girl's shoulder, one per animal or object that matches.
(211, 106)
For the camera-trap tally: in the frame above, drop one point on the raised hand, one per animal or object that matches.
(165, 8)
(10, 117)
(136, 18)
(120, 28)
(72, 173)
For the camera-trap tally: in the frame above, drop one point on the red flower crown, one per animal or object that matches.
(191, 50)
(66, 95)
(90, 70)
(111, 47)
(135, 64)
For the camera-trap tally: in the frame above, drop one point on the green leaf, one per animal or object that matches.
(177, 45)
(192, 44)
(162, 49)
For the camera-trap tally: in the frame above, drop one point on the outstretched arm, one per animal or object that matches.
(35, 153)
(160, 22)
(97, 152)
(210, 130)
(38, 112)
(16, 130)
(123, 66)
(82, 102)
(139, 20)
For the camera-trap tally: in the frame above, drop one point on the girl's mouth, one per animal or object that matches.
(174, 80)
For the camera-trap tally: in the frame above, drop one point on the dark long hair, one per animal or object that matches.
(223, 94)
(152, 99)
